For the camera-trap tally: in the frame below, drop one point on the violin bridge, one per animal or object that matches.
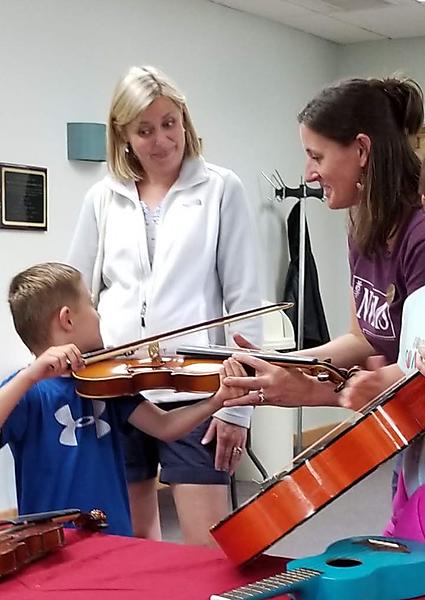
(154, 351)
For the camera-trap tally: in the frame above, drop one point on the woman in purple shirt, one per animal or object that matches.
(356, 138)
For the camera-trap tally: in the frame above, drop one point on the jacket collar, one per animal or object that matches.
(193, 172)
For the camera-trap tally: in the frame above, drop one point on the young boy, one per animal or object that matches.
(67, 449)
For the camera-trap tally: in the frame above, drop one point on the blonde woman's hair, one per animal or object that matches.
(139, 87)
(36, 294)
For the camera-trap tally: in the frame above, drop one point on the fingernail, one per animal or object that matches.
(203, 441)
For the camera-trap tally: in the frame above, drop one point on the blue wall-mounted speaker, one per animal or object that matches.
(86, 141)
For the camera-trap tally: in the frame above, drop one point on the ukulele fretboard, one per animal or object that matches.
(271, 586)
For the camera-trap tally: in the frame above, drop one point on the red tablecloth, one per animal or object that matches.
(102, 567)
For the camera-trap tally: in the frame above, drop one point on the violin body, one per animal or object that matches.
(124, 376)
(23, 546)
(128, 376)
(30, 537)
(388, 426)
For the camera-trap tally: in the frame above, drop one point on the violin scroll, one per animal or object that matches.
(93, 520)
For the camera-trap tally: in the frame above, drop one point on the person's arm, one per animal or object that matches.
(174, 424)
(53, 362)
(238, 270)
(345, 351)
(364, 386)
(84, 245)
(292, 387)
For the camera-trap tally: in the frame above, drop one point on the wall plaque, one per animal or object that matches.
(23, 197)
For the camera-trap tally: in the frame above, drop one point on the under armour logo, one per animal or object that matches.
(64, 416)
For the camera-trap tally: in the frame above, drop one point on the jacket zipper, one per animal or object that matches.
(143, 313)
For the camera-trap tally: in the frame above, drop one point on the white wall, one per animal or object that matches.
(384, 58)
(245, 79)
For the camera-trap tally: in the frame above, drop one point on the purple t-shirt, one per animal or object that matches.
(382, 283)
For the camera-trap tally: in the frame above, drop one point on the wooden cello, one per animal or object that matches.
(323, 472)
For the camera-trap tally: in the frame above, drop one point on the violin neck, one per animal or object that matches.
(55, 515)
(94, 519)
(222, 352)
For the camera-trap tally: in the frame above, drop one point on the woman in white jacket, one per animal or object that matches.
(166, 240)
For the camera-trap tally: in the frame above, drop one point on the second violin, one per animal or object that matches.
(30, 537)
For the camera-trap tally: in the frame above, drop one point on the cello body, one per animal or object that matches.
(388, 426)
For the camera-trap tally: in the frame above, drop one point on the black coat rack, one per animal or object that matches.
(302, 192)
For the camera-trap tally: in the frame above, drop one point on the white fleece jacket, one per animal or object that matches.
(206, 259)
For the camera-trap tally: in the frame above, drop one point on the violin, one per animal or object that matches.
(193, 369)
(30, 537)
(128, 376)
(322, 370)
(110, 373)
(324, 471)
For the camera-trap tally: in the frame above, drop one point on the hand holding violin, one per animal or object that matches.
(366, 385)
(55, 361)
(278, 386)
(231, 370)
(174, 424)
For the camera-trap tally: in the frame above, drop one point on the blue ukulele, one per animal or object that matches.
(370, 568)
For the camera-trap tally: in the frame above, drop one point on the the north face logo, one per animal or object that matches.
(64, 416)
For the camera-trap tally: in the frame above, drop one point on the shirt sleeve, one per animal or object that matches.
(14, 428)
(238, 265)
(125, 406)
(84, 245)
(414, 259)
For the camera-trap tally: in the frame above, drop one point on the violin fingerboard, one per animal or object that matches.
(271, 586)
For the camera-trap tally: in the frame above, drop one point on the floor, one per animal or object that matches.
(363, 510)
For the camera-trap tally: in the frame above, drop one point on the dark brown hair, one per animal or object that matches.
(388, 111)
(36, 294)
(421, 187)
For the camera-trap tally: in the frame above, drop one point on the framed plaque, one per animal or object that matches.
(23, 197)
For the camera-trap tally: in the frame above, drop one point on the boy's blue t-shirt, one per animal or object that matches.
(68, 453)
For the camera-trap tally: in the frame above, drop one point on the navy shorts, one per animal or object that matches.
(183, 461)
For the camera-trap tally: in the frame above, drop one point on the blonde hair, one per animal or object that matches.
(36, 294)
(139, 87)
